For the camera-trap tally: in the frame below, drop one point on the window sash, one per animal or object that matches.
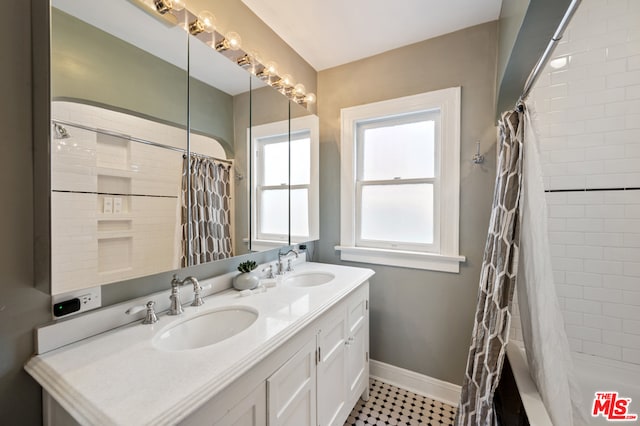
(388, 121)
(361, 126)
(261, 235)
(261, 188)
(434, 247)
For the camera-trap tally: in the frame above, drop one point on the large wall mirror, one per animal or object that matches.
(155, 163)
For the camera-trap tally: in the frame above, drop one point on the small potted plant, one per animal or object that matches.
(247, 279)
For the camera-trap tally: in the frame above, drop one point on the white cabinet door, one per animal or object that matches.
(232, 407)
(332, 364)
(251, 411)
(291, 390)
(357, 344)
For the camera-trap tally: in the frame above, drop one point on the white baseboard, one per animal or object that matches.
(415, 382)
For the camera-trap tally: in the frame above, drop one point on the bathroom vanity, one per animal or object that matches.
(302, 360)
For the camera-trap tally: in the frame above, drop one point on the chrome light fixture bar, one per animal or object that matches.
(203, 26)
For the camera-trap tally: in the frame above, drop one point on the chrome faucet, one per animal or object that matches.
(150, 317)
(197, 288)
(176, 304)
(281, 256)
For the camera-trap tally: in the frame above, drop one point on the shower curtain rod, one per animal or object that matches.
(222, 160)
(134, 139)
(557, 36)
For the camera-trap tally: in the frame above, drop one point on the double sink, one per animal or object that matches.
(222, 323)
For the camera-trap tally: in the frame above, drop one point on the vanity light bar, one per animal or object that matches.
(202, 26)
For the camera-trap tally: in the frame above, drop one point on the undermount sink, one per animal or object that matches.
(206, 329)
(309, 279)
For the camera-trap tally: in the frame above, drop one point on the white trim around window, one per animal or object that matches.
(443, 256)
(283, 131)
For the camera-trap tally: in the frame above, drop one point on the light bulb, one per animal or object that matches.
(287, 80)
(310, 98)
(231, 41)
(269, 70)
(299, 89)
(208, 21)
(178, 5)
(271, 67)
(205, 22)
(234, 40)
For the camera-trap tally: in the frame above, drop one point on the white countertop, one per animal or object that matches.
(120, 378)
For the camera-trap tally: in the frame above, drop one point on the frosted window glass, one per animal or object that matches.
(276, 163)
(399, 213)
(300, 212)
(274, 212)
(404, 150)
(301, 161)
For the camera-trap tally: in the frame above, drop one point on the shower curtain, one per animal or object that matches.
(497, 281)
(517, 247)
(207, 232)
(545, 339)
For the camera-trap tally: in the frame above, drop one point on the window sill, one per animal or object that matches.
(404, 259)
(264, 245)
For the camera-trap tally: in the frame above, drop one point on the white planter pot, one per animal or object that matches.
(246, 281)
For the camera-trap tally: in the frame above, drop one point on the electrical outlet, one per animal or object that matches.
(75, 302)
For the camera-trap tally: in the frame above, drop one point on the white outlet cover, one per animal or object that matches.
(90, 298)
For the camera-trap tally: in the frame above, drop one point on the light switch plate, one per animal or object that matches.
(117, 205)
(107, 206)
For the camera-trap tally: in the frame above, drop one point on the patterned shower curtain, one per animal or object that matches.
(497, 281)
(207, 235)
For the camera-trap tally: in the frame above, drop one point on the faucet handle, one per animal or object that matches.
(176, 282)
(150, 318)
(175, 308)
(289, 267)
(269, 271)
(197, 288)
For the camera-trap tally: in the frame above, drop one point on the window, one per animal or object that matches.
(400, 182)
(285, 193)
(272, 188)
(300, 185)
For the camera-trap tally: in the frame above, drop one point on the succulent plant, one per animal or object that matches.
(247, 266)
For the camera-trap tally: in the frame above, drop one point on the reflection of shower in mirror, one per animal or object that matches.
(60, 132)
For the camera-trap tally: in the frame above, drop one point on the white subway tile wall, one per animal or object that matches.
(587, 116)
(142, 234)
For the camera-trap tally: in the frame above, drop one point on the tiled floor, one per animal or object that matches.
(389, 405)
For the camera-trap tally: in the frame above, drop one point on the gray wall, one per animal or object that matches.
(92, 66)
(420, 320)
(522, 41)
(511, 16)
(24, 307)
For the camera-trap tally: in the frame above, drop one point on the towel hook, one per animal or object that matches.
(478, 158)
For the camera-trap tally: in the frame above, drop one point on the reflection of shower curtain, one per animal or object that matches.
(545, 339)
(209, 236)
(497, 281)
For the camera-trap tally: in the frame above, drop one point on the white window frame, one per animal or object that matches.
(310, 125)
(444, 254)
(287, 129)
(259, 145)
